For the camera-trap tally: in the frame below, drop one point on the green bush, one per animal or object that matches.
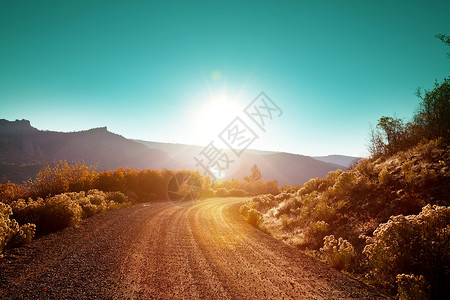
(319, 184)
(408, 172)
(339, 253)
(114, 205)
(288, 190)
(116, 200)
(264, 202)
(52, 213)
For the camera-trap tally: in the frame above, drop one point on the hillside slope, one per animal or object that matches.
(359, 203)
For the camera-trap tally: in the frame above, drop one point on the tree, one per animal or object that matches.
(388, 137)
(433, 116)
(445, 39)
(431, 121)
(255, 176)
(376, 145)
(393, 130)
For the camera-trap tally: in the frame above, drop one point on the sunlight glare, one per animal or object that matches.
(214, 116)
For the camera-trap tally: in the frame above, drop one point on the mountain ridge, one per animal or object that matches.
(24, 149)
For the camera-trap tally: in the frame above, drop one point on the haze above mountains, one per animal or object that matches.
(25, 149)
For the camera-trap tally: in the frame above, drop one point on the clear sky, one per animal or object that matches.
(179, 71)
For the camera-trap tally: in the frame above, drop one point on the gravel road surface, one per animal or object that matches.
(160, 250)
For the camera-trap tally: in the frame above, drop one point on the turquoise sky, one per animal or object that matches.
(151, 69)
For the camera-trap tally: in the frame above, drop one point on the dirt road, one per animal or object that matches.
(165, 251)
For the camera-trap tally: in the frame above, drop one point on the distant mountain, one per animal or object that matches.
(338, 159)
(286, 168)
(181, 155)
(25, 149)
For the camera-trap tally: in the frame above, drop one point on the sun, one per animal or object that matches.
(214, 116)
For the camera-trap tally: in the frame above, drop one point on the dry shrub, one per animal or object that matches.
(251, 214)
(366, 167)
(415, 244)
(222, 192)
(412, 287)
(264, 202)
(10, 232)
(24, 235)
(283, 196)
(11, 191)
(58, 212)
(238, 193)
(116, 197)
(339, 253)
(62, 177)
(8, 228)
(254, 217)
(63, 210)
(314, 234)
(384, 177)
(322, 211)
(408, 172)
(429, 150)
(285, 221)
(27, 211)
(319, 184)
(344, 183)
(207, 193)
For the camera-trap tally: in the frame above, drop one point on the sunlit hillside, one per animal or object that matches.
(355, 219)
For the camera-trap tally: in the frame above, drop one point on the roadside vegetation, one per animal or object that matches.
(385, 220)
(63, 194)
